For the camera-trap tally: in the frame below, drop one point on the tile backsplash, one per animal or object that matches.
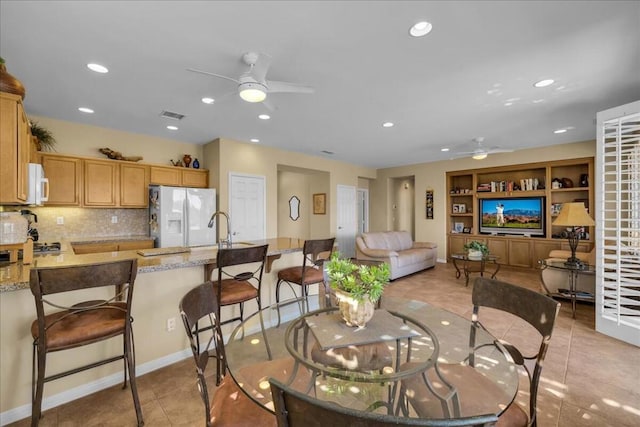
(80, 222)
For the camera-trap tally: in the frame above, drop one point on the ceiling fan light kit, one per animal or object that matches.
(480, 155)
(252, 92)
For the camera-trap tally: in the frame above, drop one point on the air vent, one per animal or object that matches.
(171, 115)
(331, 153)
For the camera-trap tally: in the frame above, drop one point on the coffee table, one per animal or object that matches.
(475, 265)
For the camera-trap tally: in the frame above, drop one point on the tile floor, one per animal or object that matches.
(588, 379)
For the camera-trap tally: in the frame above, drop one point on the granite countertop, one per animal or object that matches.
(15, 276)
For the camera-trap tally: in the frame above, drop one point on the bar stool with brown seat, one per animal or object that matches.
(82, 323)
(314, 254)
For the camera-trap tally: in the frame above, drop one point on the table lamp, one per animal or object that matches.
(573, 215)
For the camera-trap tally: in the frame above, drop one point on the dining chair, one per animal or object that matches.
(296, 409)
(472, 389)
(230, 406)
(314, 254)
(63, 325)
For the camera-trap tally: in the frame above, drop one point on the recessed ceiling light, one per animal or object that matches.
(387, 125)
(560, 131)
(420, 29)
(264, 117)
(171, 127)
(544, 83)
(98, 68)
(444, 149)
(208, 100)
(254, 140)
(86, 110)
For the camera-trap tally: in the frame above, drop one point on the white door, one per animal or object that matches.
(247, 207)
(346, 219)
(363, 210)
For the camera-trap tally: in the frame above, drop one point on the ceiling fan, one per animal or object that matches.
(479, 151)
(253, 85)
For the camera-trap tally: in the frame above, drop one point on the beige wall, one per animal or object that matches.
(433, 175)
(293, 184)
(85, 140)
(226, 156)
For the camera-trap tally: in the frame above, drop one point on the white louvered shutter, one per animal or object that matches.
(618, 223)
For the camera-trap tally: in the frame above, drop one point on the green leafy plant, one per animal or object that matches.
(357, 280)
(44, 137)
(474, 245)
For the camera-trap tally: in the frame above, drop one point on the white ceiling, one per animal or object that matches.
(440, 90)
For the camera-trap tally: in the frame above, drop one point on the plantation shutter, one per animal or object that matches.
(618, 223)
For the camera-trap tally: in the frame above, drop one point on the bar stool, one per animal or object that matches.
(82, 323)
(310, 272)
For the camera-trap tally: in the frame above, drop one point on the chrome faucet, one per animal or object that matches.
(226, 242)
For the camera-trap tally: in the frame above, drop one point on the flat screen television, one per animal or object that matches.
(513, 215)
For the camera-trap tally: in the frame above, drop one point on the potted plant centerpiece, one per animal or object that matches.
(357, 287)
(476, 250)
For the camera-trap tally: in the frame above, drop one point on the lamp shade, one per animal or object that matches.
(574, 215)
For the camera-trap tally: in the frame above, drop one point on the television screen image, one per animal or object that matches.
(516, 215)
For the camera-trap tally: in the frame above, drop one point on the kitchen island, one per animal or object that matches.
(161, 282)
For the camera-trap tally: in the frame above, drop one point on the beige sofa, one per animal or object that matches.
(398, 249)
(555, 278)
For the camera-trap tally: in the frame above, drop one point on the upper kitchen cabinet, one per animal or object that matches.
(65, 179)
(134, 185)
(15, 140)
(112, 183)
(180, 177)
(101, 183)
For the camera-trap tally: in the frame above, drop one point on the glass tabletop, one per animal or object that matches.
(466, 257)
(581, 268)
(427, 337)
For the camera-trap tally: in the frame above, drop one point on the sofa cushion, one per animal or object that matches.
(411, 256)
(393, 240)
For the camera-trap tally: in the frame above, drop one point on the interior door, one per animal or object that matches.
(247, 207)
(363, 210)
(346, 220)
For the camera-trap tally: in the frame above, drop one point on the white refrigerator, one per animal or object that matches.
(179, 216)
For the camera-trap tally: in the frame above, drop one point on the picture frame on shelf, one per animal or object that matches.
(462, 208)
(458, 227)
(556, 208)
(455, 208)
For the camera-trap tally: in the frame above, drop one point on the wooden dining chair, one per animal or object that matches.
(63, 325)
(472, 389)
(296, 409)
(310, 272)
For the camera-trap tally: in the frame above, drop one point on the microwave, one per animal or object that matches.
(38, 185)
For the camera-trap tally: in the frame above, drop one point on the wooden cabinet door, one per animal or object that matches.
(165, 175)
(520, 253)
(134, 186)
(500, 248)
(456, 244)
(133, 245)
(195, 178)
(64, 174)
(94, 248)
(541, 249)
(100, 183)
(15, 140)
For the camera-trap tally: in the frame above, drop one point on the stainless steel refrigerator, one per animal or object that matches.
(179, 216)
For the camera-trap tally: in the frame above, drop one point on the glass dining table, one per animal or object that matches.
(316, 353)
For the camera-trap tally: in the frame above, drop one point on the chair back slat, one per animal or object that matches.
(313, 248)
(51, 280)
(537, 309)
(295, 409)
(235, 256)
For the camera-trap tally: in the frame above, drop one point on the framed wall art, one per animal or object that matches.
(320, 203)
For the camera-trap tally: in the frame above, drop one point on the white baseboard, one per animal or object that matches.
(24, 411)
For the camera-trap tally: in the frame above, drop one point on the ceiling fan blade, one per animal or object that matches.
(193, 70)
(268, 105)
(498, 150)
(276, 86)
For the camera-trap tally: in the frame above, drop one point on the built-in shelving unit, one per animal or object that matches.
(572, 183)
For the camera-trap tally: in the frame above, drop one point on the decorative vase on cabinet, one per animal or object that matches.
(187, 160)
(196, 164)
